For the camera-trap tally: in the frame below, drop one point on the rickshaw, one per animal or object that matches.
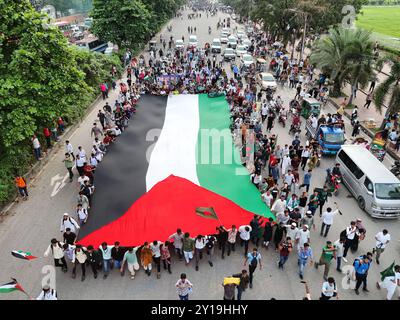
(261, 65)
(310, 106)
(378, 146)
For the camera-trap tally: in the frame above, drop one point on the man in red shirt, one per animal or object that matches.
(47, 135)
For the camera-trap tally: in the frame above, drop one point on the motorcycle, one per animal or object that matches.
(295, 128)
(333, 182)
(282, 119)
(396, 168)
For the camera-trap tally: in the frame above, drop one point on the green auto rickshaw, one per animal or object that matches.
(310, 106)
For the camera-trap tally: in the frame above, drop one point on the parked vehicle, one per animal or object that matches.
(375, 188)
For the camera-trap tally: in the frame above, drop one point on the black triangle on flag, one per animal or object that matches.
(206, 212)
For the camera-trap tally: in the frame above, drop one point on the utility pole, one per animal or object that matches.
(304, 36)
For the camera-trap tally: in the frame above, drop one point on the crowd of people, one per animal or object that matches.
(282, 173)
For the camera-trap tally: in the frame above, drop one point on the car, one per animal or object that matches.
(229, 54)
(179, 44)
(246, 42)
(232, 42)
(266, 80)
(224, 37)
(241, 50)
(193, 41)
(216, 46)
(247, 60)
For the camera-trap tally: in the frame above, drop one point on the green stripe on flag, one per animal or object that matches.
(222, 176)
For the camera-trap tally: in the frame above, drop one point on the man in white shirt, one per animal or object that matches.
(350, 235)
(327, 220)
(339, 253)
(68, 222)
(155, 248)
(264, 112)
(105, 250)
(69, 149)
(292, 231)
(82, 179)
(289, 178)
(47, 293)
(178, 242)
(303, 237)
(382, 239)
(267, 198)
(82, 153)
(390, 283)
(329, 289)
(199, 245)
(304, 157)
(244, 234)
(279, 205)
(80, 163)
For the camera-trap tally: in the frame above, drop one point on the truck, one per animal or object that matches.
(330, 137)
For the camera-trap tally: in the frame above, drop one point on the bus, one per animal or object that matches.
(92, 44)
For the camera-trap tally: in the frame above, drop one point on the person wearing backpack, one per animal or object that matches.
(68, 222)
(253, 258)
(56, 250)
(79, 258)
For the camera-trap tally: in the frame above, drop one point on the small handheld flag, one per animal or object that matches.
(22, 255)
(388, 272)
(11, 286)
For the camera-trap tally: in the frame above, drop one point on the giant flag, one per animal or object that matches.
(175, 166)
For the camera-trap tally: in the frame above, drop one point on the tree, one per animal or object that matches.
(39, 79)
(389, 89)
(329, 55)
(123, 22)
(360, 60)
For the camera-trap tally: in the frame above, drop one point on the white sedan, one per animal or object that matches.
(241, 50)
(247, 60)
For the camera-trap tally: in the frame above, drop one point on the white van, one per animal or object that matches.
(375, 188)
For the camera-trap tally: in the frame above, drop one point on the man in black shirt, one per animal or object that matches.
(222, 238)
(69, 237)
(117, 254)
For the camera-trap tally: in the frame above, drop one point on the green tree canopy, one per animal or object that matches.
(124, 22)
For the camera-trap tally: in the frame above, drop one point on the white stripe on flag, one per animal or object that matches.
(175, 150)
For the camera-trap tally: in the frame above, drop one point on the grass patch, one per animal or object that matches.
(383, 20)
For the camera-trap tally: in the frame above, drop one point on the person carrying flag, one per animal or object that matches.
(390, 280)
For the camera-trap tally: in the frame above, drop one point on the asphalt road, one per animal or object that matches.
(30, 225)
